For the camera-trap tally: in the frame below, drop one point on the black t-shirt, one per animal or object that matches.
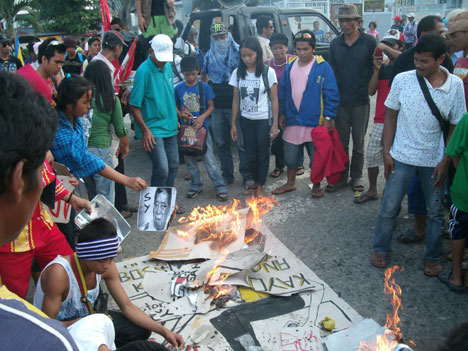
(74, 65)
(11, 64)
(157, 8)
(353, 66)
(405, 63)
(223, 95)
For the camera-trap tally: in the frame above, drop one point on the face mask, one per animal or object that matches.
(222, 46)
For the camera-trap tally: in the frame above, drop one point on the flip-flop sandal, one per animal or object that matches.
(276, 172)
(410, 237)
(432, 269)
(333, 188)
(444, 277)
(364, 198)
(277, 191)
(359, 188)
(250, 187)
(379, 260)
(317, 195)
(300, 171)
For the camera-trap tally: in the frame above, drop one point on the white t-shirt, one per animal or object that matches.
(252, 94)
(418, 139)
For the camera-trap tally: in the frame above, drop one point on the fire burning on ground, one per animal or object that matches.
(390, 340)
(219, 225)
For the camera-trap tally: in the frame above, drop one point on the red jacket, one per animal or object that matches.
(329, 156)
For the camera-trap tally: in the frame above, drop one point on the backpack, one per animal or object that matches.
(267, 89)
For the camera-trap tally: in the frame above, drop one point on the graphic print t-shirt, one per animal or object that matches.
(11, 64)
(252, 94)
(188, 99)
(461, 70)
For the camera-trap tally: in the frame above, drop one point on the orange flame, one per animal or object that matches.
(392, 335)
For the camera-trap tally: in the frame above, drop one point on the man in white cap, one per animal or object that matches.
(152, 104)
(410, 31)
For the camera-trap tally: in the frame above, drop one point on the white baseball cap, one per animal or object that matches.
(162, 46)
(411, 15)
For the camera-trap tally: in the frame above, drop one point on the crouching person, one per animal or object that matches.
(58, 291)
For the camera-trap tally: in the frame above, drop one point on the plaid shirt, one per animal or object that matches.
(69, 148)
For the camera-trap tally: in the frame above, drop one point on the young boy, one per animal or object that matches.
(188, 111)
(457, 148)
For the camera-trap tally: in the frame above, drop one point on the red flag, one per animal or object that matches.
(127, 64)
(106, 16)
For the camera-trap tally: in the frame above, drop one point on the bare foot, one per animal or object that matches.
(317, 191)
(283, 189)
(259, 190)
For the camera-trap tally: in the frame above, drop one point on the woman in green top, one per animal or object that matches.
(106, 112)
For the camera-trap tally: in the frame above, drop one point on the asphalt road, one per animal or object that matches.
(333, 236)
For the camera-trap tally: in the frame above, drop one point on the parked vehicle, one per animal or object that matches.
(241, 21)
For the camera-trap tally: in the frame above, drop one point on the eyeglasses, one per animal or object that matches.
(303, 36)
(6, 43)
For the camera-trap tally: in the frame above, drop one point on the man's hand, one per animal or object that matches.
(142, 24)
(79, 203)
(329, 124)
(441, 170)
(282, 121)
(136, 183)
(126, 94)
(175, 340)
(123, 149)
(148, 141)
(185, 115)
(234, 133)
(378, 61)
(274, 131)
(388, 165)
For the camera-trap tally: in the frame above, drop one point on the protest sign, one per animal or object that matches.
(156, 207)
(61, 211)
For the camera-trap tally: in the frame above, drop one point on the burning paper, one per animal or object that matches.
(156, 207)
(102, 208)
(204, 238)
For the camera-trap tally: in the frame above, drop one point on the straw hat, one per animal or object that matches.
(347, 11)
(458, 23)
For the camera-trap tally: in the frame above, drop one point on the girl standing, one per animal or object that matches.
(107, 112)
(373, 31)
(258, 107)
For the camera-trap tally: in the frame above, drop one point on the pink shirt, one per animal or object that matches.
(298, 135)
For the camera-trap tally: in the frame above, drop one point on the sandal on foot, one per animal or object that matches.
(126, 214)
(444, 277)
(432, 268)
(192, 194)
(332, 188)
(364, 198)
(359, 188)
(187, 176)
(222, 196)
(300, 170)
(410, 237)
(179, 210)
(276, 172)
(250, 187)
(282, 189)
(379, 260)
(317, 194)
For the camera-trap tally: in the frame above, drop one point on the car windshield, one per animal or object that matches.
(323, 32)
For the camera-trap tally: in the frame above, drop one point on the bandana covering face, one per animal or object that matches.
(222, 59)
(98, 249)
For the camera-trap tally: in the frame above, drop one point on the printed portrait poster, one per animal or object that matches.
(156, 207)
(249, 92)
(102, 208)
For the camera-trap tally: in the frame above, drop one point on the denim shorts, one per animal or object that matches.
(293, 154)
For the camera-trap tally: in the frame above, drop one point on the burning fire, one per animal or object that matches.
(392, 335)
(218, 225)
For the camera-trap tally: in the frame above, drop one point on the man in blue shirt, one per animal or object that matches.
(153, 106)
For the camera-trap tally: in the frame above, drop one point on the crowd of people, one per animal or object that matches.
(253, 94)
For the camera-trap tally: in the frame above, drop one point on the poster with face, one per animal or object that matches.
(156, 207)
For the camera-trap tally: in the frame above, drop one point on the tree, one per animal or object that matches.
(9, 9)
(122, 8)
(72, 16)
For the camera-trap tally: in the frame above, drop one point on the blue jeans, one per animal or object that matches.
(257, 147)
(165, 158)
(221, 124)
(211, 165)
(102, 185)
(294, 154)
(395, 190)
(416, 200)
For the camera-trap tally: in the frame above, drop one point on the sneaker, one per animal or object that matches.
(222, 196)
(192, 194)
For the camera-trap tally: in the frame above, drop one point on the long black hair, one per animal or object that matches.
(253, 44)
(99, 75)
(71, 90)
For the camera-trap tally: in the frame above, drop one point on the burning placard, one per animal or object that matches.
(156, 207)
(204, 239)
(301, 339)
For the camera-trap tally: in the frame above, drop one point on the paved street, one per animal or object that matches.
(333, 236)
